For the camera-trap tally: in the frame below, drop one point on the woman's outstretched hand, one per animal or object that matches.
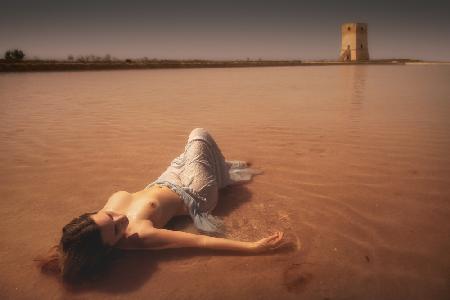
(269, 243)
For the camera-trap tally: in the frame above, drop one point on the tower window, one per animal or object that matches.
(361, 46)
(348, 28)
(362, 28)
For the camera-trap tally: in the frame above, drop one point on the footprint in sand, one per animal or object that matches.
(295, 280)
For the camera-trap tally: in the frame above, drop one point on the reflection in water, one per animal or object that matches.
(356, 77)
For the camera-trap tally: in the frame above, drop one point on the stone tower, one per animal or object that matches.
(354, 42)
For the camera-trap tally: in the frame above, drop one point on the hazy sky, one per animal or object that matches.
(222, 29)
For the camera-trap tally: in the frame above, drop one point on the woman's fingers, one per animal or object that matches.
(277, 235)
(276, 241)
(272, 242)
(272, 237)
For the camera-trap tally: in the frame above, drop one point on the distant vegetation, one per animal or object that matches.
(14, 55)
(14, 62)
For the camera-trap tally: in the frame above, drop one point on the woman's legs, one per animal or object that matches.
(211, 154)
(204, 168)
(226, 172)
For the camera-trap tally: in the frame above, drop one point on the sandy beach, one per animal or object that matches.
(356, 173)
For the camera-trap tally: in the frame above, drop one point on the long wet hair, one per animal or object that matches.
(81, 253)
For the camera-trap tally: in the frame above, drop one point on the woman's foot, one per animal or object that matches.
(239, 176)
(237, 164)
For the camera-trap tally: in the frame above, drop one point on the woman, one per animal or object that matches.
(130, 221)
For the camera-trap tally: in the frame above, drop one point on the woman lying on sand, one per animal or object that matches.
(130, 221)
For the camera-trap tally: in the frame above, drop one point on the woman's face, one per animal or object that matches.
(112, 225)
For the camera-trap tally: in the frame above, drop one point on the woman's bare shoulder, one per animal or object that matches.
(118, 201)
(120, 195)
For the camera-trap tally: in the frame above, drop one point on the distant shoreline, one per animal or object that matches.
(44, 65)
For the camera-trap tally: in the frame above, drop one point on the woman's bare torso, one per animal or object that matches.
(149, 207)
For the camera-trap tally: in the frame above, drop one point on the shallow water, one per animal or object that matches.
(357, 174)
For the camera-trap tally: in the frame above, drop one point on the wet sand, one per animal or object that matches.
(357, 174)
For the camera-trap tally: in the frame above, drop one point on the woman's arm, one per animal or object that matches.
(265, 244)
(154, 238)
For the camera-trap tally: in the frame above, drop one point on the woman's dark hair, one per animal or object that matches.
(81, 253)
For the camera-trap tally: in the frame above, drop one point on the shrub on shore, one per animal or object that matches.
(14, 55)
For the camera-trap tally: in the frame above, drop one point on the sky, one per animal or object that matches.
(185, 29)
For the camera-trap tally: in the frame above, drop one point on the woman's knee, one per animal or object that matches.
(200, 133)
